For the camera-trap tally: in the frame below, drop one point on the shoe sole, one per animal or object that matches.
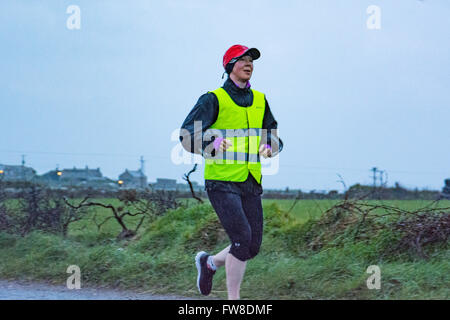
(199, 268)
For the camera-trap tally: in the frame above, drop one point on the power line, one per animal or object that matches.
(364, 170)
(81, 154)
(304, 167)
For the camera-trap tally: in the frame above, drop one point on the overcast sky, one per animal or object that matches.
(347, 98)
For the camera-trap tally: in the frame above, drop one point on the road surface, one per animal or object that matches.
(20, 290)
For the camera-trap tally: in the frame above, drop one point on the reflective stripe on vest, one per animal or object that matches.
(242, 126)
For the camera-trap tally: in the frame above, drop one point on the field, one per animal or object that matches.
(302, 212)
(160, 258)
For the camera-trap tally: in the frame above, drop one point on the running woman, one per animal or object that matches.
(225, 127)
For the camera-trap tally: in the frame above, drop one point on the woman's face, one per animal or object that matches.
(243, 68)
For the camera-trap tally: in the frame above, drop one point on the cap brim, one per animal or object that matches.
(253, 52)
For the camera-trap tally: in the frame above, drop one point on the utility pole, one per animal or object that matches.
(142, 172)
(381, 177)
(374, 169)
(22, 169)
(142, 164)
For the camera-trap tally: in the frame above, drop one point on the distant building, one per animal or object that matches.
(77, 177)
(81, 174)
(446, 189)
(50, 177)
(16, 173)
(133, 179)
(165, 184)
(171, 184)
(185, 186)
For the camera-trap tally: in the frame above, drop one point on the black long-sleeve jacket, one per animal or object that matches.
(206, 110)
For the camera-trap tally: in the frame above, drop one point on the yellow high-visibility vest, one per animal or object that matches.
(243, 127)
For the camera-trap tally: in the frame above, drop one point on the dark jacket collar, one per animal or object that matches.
(241, 96)
(232, 88)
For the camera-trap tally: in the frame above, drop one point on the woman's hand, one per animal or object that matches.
(265, 150)
(225, 144)
(221, 144)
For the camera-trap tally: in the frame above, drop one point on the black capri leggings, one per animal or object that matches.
(241, 215)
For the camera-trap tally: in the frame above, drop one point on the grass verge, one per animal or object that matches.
(161, 259)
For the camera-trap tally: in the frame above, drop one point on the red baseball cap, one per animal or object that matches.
(238, 51)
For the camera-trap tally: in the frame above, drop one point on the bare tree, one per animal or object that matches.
(145, 205)
(186, 178)
(37, 208)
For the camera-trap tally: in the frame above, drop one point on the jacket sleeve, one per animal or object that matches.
(199, 119)
(270, 135)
